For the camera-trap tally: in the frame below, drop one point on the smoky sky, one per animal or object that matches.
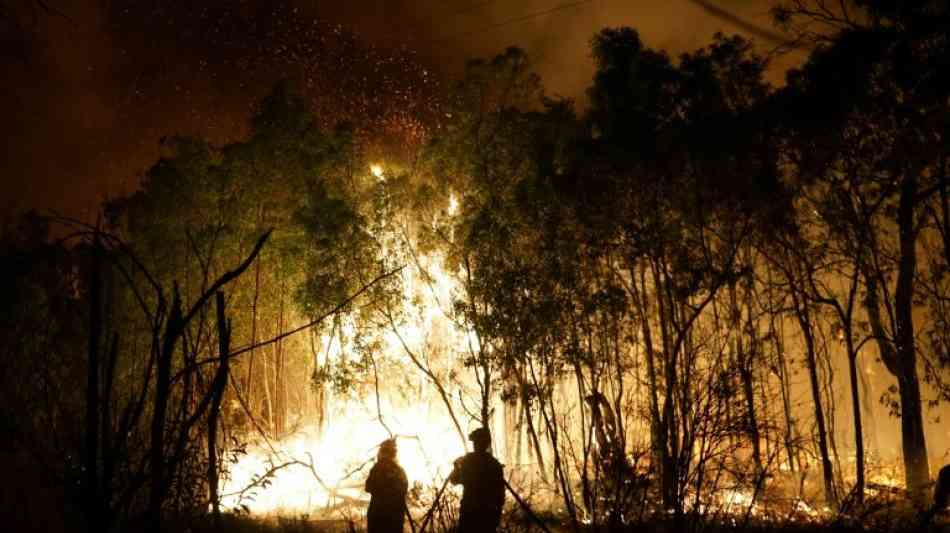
(90, 87)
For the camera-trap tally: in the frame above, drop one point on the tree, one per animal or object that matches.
(686, 211)
(871, 101)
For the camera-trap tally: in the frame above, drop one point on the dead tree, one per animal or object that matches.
(217, 394)
(161, 459)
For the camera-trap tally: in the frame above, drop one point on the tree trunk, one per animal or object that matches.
(777, 334)
(162, 385)
(280, 407)
(856, 410)
(745, 356)
(91, 456)
(107, 438)
(812, 364)
(657, 435)
(268, 397)
(916, 464)
(754, 436)
(786, 404)
(666, 423)
(535, 442)
(518, 434)
(249, 382)
(217, 392)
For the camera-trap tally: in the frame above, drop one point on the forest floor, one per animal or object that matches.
(905, 523)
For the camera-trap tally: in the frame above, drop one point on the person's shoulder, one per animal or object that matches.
(394, 466)
(486, 459)
(496, 464)
(491, 466)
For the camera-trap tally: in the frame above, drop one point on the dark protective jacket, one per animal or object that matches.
(942, 490)
(483, 495)
(387, 486)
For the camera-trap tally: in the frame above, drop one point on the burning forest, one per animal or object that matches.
(693, 299)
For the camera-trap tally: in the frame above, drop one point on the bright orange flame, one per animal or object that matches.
(342, 452)
(453, 205)
(341, 456)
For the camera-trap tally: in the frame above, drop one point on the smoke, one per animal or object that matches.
(557, 34)
(102, 84)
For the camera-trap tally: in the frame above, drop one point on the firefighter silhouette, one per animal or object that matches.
(387, 485)
(941, 497)
(942, 490)
(483, 486)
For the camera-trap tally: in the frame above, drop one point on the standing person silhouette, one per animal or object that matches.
(387, 485)
(483, 486)
(941, 497)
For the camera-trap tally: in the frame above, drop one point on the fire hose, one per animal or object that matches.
(412, 524)
(521, 502)
(524, 505)
(428, 515)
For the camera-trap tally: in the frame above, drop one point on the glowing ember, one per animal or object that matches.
(377, 170)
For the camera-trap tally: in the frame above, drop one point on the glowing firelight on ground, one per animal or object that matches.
(341, 456)
(738, 501)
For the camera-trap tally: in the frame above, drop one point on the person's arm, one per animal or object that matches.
(403, 481)
(500, 496)
(456, 476)
(371, 480)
